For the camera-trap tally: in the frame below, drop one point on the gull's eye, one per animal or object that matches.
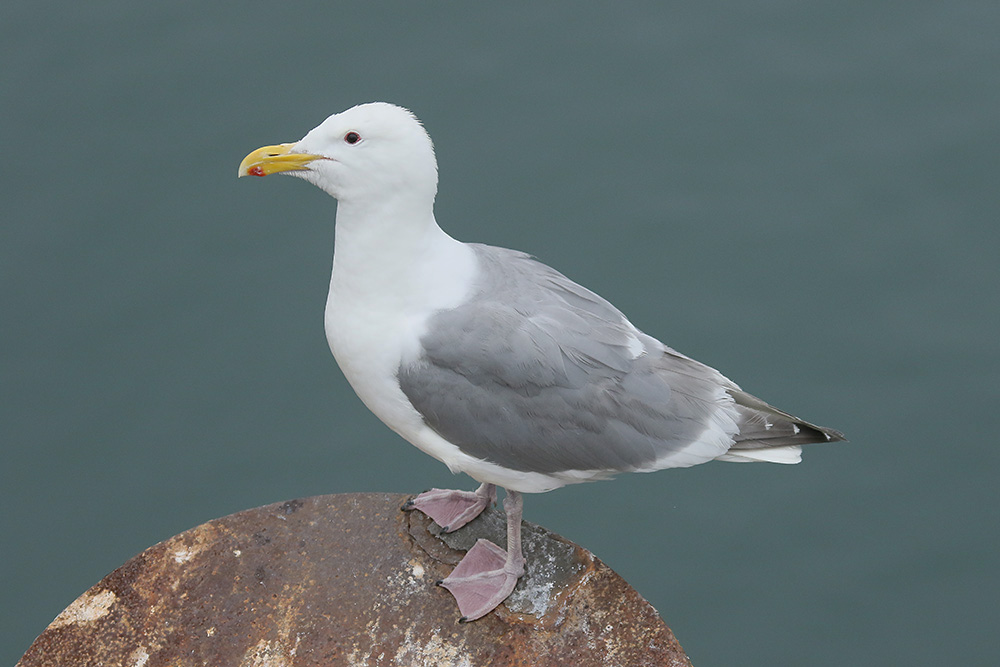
(352, 137)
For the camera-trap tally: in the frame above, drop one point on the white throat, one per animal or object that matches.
(393, 257)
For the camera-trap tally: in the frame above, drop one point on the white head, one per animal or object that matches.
(374, 151)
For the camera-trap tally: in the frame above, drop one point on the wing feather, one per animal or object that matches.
(536, 373)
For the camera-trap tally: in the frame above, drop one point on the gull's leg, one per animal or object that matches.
(487, 574)
(453, 509)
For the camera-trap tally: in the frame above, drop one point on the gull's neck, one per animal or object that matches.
(392, 255)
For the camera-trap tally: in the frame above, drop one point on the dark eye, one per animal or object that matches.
(352, 137)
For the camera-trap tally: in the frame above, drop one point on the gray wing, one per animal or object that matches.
(536, 373)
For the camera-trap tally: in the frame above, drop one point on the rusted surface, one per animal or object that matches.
(349, 580)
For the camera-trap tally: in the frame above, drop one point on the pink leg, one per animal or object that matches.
(487, 574)
(453, 509)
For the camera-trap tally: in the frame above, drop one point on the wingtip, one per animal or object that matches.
(833, 435)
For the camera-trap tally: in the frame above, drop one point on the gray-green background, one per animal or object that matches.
(802, 194)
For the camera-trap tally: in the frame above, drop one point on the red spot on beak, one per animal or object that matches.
(256, 171)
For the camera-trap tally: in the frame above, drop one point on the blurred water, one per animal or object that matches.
(800, 194)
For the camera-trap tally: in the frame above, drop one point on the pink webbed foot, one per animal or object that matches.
(453, 509)
(484, 579)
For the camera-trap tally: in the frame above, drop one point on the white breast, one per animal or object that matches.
(377, 310)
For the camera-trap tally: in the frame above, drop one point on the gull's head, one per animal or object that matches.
(373, 151)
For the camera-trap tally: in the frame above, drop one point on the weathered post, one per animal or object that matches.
(349, 580)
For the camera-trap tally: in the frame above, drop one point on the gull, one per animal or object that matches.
(493, 363)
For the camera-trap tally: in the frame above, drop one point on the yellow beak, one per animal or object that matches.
(273, 160)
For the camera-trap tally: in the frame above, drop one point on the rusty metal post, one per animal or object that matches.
(349, 580)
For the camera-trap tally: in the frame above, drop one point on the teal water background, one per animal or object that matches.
(801, 194)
